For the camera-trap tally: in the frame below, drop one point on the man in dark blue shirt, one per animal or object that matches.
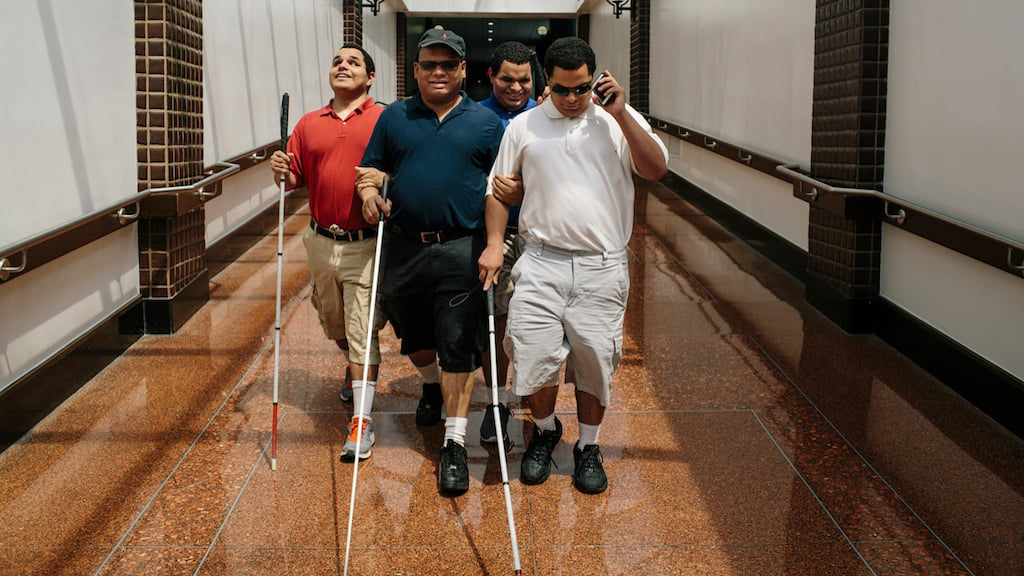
(511, 76)
(438, 146)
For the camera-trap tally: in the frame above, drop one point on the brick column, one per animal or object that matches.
(583, 27)
(640, 55)
(353, 18)
(851, 40)
(169, 109)
(401, 29)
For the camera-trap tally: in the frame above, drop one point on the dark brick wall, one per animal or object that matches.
(640, 55)
(851, 40)
(353, 24)
(169, 110)
(401, 25)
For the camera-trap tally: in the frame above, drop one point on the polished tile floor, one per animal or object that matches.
(747, 435)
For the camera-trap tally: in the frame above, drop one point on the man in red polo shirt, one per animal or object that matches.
(323, 152)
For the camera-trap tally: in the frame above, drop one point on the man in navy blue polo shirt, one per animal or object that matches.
(438, 146)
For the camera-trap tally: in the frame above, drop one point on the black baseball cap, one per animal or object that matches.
(435, 36)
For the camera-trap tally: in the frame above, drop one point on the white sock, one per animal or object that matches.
(357, 397)
(588, 434)
(455, 429)
(431, 373)
(545, 423)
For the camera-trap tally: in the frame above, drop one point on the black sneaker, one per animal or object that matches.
(536, 464)
(346, 389)
(452, 470)
(428, 411)
(488, 433)
(588, 476)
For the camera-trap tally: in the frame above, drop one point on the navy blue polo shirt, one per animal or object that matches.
(492, 104)
(438, 169)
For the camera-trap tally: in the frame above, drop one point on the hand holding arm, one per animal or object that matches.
(369, 192)
(508, 189)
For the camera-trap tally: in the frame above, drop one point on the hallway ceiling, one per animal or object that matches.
(484, 8)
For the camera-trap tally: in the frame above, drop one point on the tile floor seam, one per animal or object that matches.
(118, 545)
(861, 457)
(227, 516)
(806, 484)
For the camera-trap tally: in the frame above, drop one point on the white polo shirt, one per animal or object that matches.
(577, 176)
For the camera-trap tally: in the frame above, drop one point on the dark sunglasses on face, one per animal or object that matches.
(446, 65)
(577, 90)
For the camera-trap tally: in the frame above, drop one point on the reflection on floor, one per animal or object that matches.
(747, 435)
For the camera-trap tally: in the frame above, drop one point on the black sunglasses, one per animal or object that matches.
(446, 65)
(577, 90)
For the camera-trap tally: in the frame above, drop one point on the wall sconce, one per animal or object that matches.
(373, 5)
(619, 5)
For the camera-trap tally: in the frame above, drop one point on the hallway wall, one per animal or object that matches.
(954, 139)
(742, 70)
(253, 52)
(609, 37)
(67, 131)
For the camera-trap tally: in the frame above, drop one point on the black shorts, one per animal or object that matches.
(431, 294)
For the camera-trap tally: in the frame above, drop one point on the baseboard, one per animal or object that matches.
(991, 389)
(784, 254)
(30, 399)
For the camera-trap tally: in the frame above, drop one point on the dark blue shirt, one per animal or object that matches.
(438, 169)
(504, 115)
(491, 103)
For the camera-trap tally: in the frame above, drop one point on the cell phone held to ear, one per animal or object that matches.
(603, 96)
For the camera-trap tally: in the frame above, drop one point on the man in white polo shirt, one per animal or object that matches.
(577, 159)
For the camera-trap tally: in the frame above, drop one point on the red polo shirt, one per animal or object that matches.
(327, 150)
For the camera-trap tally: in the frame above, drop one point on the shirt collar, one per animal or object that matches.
(328, 110)
(417, 102)
(548, 106)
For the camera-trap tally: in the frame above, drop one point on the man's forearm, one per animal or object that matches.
(496, 219)
(647, 155)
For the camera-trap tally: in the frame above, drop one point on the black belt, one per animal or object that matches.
(511, 230)
(432, 236)
(342, 235)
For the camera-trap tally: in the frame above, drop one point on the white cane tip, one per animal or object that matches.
(273, 463)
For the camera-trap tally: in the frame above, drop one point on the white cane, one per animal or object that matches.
(500, 432)
(366, 371)
(280, 254)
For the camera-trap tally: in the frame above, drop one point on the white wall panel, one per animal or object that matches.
(380, 41)
(610, 39)
(971, 302)
(955, 123)
(241, 197)
(254, 51)
(954, 139)
(741, 70)
(762, 198)
(67, 111)
(81, 289)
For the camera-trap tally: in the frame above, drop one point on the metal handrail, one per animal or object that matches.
(904, 207)
(981, 245)
(117, 209)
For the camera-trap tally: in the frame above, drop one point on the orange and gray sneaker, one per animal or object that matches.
(355, 445)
